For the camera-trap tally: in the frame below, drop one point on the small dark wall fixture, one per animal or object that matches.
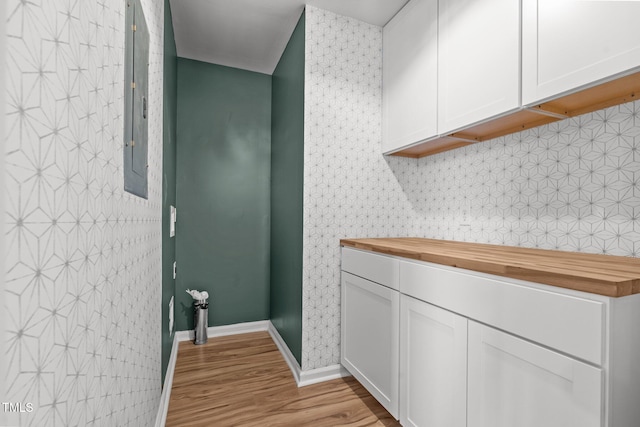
(136, 101)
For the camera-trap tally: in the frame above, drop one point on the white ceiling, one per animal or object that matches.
(252, 34)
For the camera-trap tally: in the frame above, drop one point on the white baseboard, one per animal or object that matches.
(161, 417)
(221, 331)
(184, 335)
(286, 353)
(314, 376)
(302, 378)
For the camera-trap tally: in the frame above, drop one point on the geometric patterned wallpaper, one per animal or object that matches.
(83, 265)
(350, 190)
(572, 185)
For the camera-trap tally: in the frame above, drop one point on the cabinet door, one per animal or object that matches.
(369, 341)
(514, 383)
(572, 43)
(409, 75)
(478, 61)
(433, 365)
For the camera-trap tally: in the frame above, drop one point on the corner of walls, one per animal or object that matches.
(287, 154)
(350, 189)
(222, 190)
(170, 103)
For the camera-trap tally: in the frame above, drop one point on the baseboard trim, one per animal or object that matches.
(221, 331)
(165, 397)
(304, 378)
(319, 375)
(294, 366)
(184, 335)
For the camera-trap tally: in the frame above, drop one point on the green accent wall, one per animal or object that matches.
(287, 160)
(170, 104)
(223, 173)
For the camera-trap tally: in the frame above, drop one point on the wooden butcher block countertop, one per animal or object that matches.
(613, 276)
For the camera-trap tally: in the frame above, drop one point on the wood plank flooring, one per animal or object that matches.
(243, 380)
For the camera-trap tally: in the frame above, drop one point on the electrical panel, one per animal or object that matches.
(136, 100)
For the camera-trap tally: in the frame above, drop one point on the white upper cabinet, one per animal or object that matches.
(409, 76)
(567, 44)
(478, 61)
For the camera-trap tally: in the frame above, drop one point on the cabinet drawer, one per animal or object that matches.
(569, 324)
(377, 268)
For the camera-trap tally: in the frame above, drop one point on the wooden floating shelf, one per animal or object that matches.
(614, 92)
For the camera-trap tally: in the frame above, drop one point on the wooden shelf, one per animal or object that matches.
(604, 95)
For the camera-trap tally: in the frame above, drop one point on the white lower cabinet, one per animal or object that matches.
(440, 346)
(370, 342)
(515, 383)
(433, 365)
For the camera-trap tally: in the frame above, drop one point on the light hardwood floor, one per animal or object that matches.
(243, 380)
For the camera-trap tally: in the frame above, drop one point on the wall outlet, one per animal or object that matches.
(171, 316)
(172, 221)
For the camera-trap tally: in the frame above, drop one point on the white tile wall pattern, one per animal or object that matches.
(83, 266)
(572, 185)
(350, 190)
